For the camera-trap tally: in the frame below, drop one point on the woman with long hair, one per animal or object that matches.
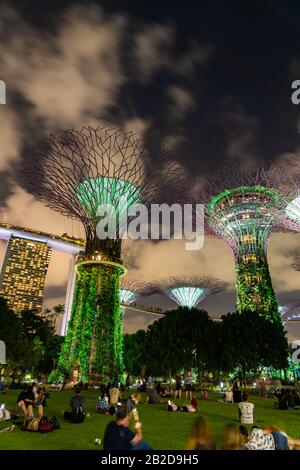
(232, 438)
(201, 436)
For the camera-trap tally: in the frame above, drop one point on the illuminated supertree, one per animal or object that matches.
(242, 208)
(287, 310)
(189, 291)
(130, 290)
(75, 173)
(290, 207)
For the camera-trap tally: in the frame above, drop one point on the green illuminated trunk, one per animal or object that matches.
(94, 337)
(254, 288)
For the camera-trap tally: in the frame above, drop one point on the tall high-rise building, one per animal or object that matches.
(23, 273)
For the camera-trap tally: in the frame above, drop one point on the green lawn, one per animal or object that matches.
(161, 429)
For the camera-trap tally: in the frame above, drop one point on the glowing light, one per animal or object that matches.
(292, 210)
(187, 296)
(127, 296)
(116, 192)
(188, 291)
(244, 218)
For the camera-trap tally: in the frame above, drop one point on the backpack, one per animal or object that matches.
(33, 424)
(44, 425)
(78, 415)
(54, 423)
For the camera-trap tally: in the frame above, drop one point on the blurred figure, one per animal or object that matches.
(201, 437)
(232, 439)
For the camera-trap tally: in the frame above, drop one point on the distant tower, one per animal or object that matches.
(24, 272)
(189, 291)
(242, 209)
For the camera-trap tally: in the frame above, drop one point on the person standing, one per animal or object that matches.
(178, 384)
(127, 382)
(188, 381)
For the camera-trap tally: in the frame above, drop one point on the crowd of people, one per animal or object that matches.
(122, 408)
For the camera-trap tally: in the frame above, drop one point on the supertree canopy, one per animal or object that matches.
(74, 173)
(130, 290)
(242, 208)
(189, 291)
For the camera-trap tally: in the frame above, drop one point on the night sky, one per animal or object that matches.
(212, 83)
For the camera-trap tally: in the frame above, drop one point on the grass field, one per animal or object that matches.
(163, 430)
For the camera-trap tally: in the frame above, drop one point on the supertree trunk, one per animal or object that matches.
(254, 290)
(94, 338)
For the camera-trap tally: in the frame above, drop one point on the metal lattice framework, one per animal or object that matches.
(76, 171)
(242, 207)
(287, 310)
(189, 291)
(130, 290)
(296, 263)
(290, 210)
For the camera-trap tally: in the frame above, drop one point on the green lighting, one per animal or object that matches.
(116, 192)
(95, 333)
(244, 218)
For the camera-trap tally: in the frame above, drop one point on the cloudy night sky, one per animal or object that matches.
(212, 83)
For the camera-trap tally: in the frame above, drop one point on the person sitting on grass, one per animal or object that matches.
(118, 435)
(201, 437)
(152, 397)
(101, 406)
(77, 413)
(132, 402)
(204, 395)
(25, 402)
(114, 394)
(245, 410)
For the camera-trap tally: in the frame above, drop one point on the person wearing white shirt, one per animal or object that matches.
(246, 410)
